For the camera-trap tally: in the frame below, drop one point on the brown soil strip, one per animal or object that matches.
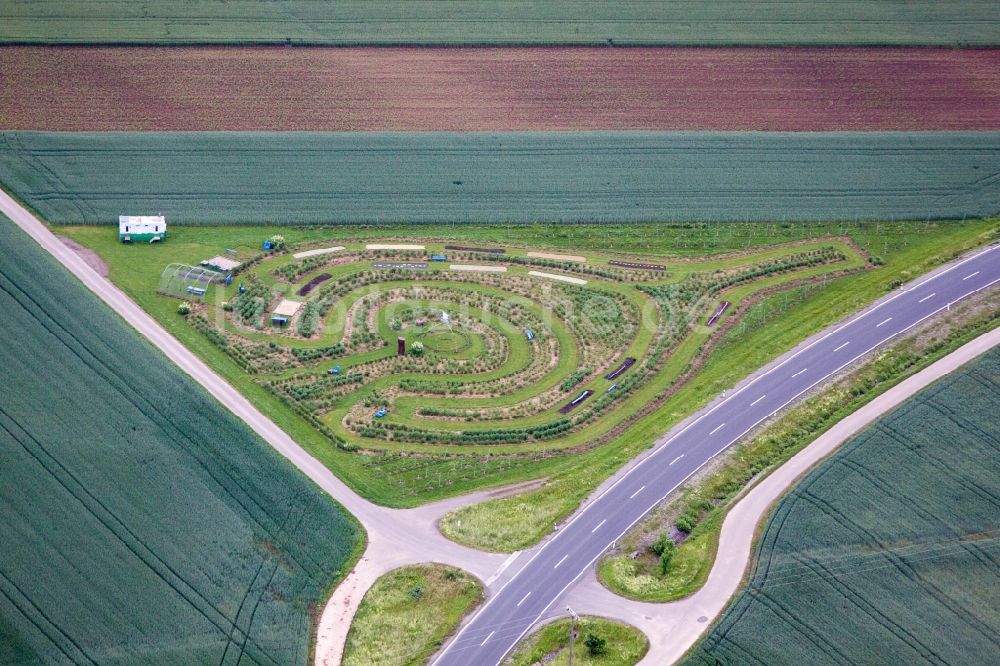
(517, 488)
(88, 255)
(278, 88)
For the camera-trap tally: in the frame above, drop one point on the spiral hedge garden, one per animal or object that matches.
(505, 356)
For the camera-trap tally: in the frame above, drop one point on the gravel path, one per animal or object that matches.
(87, 255)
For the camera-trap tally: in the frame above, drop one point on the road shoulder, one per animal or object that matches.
(674, 628)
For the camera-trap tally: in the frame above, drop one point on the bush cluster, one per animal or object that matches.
(308, 319)
(574, 379)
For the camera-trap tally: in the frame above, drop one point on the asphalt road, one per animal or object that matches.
(515, 608)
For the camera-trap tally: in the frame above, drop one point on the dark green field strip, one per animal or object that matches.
(890, 551)
(316, 178)
(481, 22)
(142, 523)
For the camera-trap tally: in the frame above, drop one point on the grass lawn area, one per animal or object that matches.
(624, 645)
(907, 249)
(408, 613)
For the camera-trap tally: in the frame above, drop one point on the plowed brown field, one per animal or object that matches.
(275, 88)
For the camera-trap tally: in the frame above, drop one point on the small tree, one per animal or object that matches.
(184, 308)
(660, 544)
(277, 242)
(417, 349)
(666, 557)
(686, 523)
(596, 645)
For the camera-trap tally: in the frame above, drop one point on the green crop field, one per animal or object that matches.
(141, 522)
(888, 552)
(918, 22)
(317, 178)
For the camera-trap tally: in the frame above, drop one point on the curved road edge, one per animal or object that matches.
(674, 628)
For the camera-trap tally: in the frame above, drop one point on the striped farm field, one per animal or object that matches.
(888, 552)
(481, 22)
(349, 178)
(492, 89)
(142, 523)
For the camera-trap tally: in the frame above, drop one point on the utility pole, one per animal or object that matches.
(574, 618)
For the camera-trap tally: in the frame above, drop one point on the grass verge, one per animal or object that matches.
(408, 613)
(701, 507)
(887, 552)
(623, 645)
